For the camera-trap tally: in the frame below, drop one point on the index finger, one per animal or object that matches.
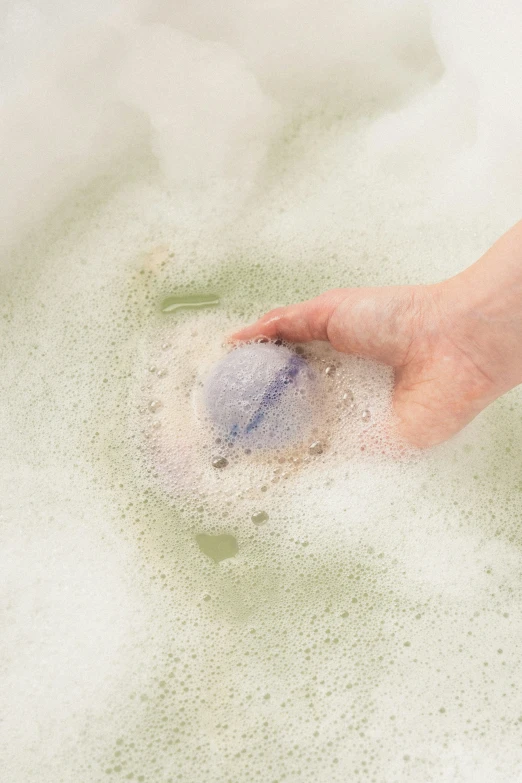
(298, 323)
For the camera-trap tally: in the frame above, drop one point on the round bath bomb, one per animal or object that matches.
(262, 396)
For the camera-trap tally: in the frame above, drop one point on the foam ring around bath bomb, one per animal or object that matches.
(262, 396)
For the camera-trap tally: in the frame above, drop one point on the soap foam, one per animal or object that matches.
(369, 627)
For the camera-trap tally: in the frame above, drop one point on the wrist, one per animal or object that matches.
(481, 309)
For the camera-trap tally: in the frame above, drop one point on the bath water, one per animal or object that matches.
(176, 610)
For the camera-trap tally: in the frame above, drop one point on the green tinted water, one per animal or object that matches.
(354, 634)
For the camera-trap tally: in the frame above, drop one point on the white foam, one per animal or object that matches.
(368, 627)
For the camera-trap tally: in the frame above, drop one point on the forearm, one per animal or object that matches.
(483, 304)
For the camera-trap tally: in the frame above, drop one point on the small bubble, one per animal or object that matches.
(156, 424)
(259, 518)
(154, 406)
(152, 369)
(366, 415)
(219, 462)
(316, 447)
(161, 373)
(348, 397)
(165, 346)
(330, 370)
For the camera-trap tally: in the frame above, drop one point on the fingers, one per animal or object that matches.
(299, 323)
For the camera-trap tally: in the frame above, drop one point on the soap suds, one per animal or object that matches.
(325, 611)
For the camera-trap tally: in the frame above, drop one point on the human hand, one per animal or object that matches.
(451, 344)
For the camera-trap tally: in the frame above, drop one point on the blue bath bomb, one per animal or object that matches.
(262, 396)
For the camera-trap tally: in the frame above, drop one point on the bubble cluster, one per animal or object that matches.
(179, 604)
(254, 416)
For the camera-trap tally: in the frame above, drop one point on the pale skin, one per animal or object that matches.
(455, 346)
